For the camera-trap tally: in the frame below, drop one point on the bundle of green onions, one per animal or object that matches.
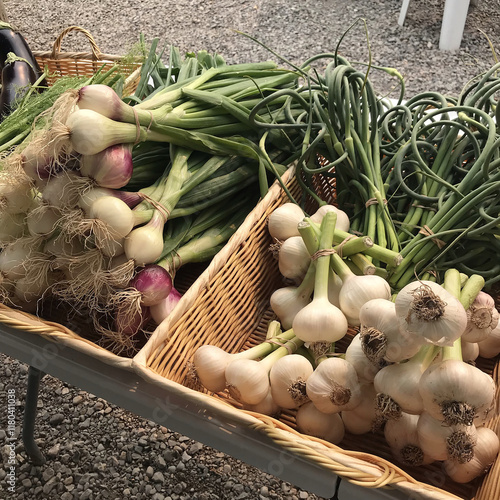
(405, 370)
(108, 200)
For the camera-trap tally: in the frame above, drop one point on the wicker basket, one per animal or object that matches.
(228, 306)
(85, 63)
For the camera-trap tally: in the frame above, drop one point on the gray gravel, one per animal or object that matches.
(96, 450)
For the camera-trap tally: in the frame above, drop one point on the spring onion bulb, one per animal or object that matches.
(43, 220)
(403, 440)
(210, 362)
(343, 223)
(398, 386)
(62, 190)
(88, 196)
(381, 335)
(313, 422)
(247, 380)
(15, 255)
(162, 309)
(287, 301)
(320, 320)
(427, 310)
(293, 258)
(288, 377)
(12, 227)
(111, 168)
(456, 392)
(145, 244)
(482, 318)
(485, 453)
(365, 368)
(115, 216)
(15, 197)
(446, 442)
(130, 324)
(283, 221)
(334, 386)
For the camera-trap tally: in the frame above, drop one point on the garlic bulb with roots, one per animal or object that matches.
(398, 385)
(456, 392)
(293, 258)
(446, 442)
(313, 422)
(381, 335)
(365, 368)
(343, 222)
(288, 377)
(482, 318)
(403, 440)
(485, 453)
(470, 351)
(425, 309)
(334, 386)
(282, 222)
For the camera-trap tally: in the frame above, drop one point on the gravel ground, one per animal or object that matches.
(96, 450)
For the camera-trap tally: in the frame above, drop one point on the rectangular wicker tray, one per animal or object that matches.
(228, 306)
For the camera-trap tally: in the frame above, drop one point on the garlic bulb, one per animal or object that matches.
(490, 346)
(334, 386)
(402, 437)
(427, 310)
(293, 258)
(286, 302)
(364, 417)
(283, 221)
(470, 351)
(288, 378)
(381, 335)
(446, 442)
(312, 422)
(357, 290)
(482, 318)
(485, 453)
(365, 368)
(457, 393)
(267, 407)
(343, 223)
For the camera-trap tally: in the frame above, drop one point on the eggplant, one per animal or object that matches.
(17, 78)
(19, 69)
(13, 41)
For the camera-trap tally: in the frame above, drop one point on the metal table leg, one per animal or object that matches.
(30, 407)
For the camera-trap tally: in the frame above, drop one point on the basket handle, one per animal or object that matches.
(56, 49)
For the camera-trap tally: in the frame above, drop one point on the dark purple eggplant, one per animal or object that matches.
(12, 41)
(17, 78)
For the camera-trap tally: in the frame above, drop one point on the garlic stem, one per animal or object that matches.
(323, 262)
(309, 234)
(470, 290)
